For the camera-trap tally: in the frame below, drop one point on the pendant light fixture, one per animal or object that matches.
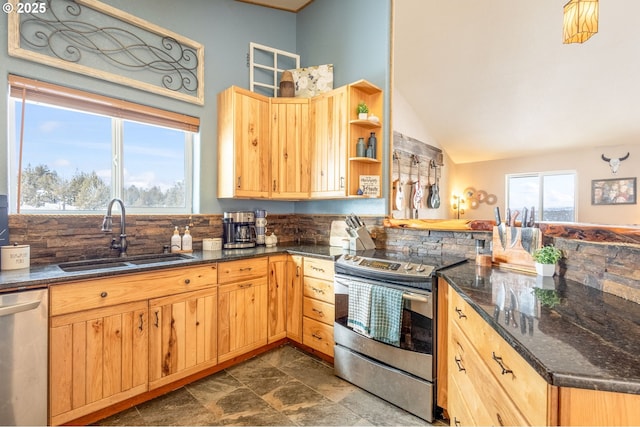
(580, 20)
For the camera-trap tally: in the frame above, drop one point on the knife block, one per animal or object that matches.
(513, 255)
(361, 239)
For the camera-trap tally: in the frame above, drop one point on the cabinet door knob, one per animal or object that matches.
(103, 294)
(187, 281)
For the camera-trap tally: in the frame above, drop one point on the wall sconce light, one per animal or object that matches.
(458, 201)
(580, 20)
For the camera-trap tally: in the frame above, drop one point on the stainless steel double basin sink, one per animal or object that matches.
(129, 261)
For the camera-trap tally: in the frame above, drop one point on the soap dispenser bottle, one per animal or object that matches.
(176, 241)
(187, 240)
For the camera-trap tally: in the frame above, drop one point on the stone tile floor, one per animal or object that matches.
(283, 387)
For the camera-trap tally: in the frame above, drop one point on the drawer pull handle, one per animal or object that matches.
(320, 313)
(187, 281)
(246, 269)
(245, 285)
(499, 419)
(103, 294)
(459, 363)
(498, 360)
(298, 271)
(461, 315)
(141, 323)
(321, 270)
(157, 324)
(456, 421)
(318, 337)
(318, 291)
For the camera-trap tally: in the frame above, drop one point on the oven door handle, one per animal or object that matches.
(416, 298)
(410, 296)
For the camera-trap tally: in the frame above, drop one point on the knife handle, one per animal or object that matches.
(525, 217)
(508, 217)
(497, 215)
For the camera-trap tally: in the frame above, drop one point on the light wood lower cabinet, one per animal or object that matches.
(580, 407)
(97, 358)
(487, 378)
(294, 298)
(99, 351)
(242, 307)
(318, 305)
(183, 335)
(278, 278)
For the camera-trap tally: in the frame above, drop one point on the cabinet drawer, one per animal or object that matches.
(484, 397)
(317, 335)
(459, 412)
(318, 268)
(235, 271)
(523, 384)
(319, 289)
(96, 293)
(319, 310)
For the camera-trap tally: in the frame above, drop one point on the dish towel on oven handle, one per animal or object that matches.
(386, 314)
(359, 307)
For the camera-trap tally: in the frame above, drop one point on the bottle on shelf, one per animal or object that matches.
(361, 149)
(373, 142)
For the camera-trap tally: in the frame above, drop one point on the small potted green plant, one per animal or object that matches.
(546, 259)
(363, 110)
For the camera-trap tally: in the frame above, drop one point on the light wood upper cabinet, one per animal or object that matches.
(307, 149)
(290, 148)
(183, 335)
(329, 118)
(243, 144)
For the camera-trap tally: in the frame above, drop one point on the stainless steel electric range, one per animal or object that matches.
(402, 373)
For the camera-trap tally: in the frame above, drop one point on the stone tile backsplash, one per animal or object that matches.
(612, 268)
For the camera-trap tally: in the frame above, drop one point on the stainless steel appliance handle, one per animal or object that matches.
(406, 295)
(17, 308)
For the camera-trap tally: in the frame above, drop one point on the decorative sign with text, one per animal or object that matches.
(370, 185)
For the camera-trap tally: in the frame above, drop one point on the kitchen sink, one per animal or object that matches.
(152, 259)
(132, 261)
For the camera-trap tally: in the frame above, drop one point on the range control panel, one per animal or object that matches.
(356, 262)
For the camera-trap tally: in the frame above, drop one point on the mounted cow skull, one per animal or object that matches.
(615, 163)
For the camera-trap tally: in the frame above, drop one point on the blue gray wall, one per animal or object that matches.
(327, 31)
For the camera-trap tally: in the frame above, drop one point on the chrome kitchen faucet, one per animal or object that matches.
(107, 227)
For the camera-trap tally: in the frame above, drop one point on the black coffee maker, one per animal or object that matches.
(239, 229)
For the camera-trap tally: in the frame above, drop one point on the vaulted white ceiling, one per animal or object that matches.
(492, 79)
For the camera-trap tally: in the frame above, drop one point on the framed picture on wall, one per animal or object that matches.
(617, 191)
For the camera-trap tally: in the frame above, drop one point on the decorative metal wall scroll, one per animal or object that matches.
(98, 40)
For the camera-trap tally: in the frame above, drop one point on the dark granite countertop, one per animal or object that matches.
(42, 276)
(573, 335)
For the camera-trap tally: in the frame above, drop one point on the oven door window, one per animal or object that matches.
(417, 329)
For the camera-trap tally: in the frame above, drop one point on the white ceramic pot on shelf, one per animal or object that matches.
(545, 269)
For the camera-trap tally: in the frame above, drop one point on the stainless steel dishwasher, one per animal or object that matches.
(23, 357)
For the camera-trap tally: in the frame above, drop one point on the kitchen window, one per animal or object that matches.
(551, 193)
(73, 151)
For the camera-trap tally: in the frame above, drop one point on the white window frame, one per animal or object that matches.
(117, 177)
(540, 203)
(274, 87)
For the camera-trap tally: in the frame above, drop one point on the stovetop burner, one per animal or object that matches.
(393, 267)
